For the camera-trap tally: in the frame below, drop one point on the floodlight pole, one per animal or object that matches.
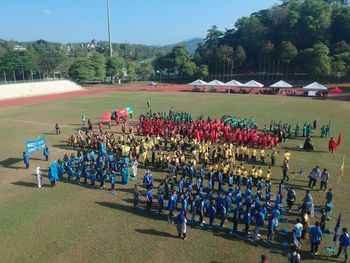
(109, 30)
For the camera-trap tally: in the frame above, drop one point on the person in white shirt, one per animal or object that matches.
(314, 175)
(39, 177)
(297, 232)
(134, 168)
(324, 179)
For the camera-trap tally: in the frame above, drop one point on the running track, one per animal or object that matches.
(173, 88)
(49, 97)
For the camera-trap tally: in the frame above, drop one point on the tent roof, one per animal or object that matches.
(335, 90)
(253, 84)
(198, 82)
(281, 84)
(234, 83)
(216, 82)
(315, 86)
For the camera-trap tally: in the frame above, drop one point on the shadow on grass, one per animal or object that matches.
(28, 184)
(154, 232)
(13, 163)
(139, 211)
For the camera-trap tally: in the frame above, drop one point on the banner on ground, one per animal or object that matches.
(35, 145)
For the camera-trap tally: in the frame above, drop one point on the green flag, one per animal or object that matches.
(129, 109)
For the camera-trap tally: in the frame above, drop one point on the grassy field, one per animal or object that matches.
(71, 223)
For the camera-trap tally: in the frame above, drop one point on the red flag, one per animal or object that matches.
(106, 117)
(122, 113)
(340, 139)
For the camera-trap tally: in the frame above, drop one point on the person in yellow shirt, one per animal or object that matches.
(262, 156)
(245, 152)
(240, 152)
(206, 158)
(241, 166)
(244, 175)
(268, 174)
(253, 155)
(260, 172)
(274, 155)
(144, 158)
(287, 156)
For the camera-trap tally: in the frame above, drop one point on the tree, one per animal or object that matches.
(145, 70)
(82, 70)
(268, 50)
(239, 56)
(316, 60)
(202, 71)
(188, 69)
(226, 53)
(115, 67)
(132, 68)
(287, 51)
(99, 62)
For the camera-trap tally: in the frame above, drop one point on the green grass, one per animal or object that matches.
(77, 224)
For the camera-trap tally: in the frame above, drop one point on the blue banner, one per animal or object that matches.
(36, 145)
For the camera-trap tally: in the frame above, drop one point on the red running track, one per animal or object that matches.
(50, 97)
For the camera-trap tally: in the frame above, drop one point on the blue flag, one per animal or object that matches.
(336, 228)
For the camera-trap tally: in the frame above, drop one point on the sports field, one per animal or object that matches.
(72, 223)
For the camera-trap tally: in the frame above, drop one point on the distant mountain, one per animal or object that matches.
(191, 44)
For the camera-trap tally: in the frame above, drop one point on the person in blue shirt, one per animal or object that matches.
(198, 184)
(93, 174)
(70, 172)
(315, 233)
(26, 160)
(46, 152)
(271, 227)
(259, 223)
(149, 198)
(211, 213)
(124, 174)
(222, 216)
(77, 175)
(103, 178)
(200, 209)
(184, 203)
(344, 243)
(247, 220)
(160, 201)
(112, 176)
(147, 179)
(92, 156)
(172, 205)
(236, 214)
(329, 196)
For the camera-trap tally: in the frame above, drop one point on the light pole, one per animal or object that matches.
(109, 30)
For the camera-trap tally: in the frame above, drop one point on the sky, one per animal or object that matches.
(150, 22)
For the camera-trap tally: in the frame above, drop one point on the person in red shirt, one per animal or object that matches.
(332, 145)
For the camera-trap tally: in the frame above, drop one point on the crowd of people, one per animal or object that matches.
(217, 172)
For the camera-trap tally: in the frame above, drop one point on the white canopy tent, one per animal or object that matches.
(198, 82)
(253, 84)
(216, 82)
(281, 84)
(315, 86)
(234, 83)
